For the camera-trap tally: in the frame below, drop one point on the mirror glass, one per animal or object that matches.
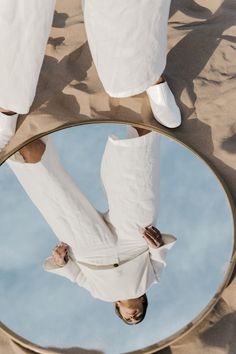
(133, 180)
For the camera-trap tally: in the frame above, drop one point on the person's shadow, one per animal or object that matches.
(190, 8)
(189, 56)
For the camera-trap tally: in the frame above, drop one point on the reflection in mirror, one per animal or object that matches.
(137, 227)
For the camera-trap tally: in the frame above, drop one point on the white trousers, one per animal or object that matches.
(128, 42)
(24, 31)
(130, 175)
(127, 39)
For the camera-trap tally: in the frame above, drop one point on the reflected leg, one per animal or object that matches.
(130, 175)
(66, 209)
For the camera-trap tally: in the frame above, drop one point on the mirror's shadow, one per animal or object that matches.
(147, 235)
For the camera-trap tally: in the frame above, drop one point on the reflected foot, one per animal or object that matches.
(33, 152)
(8, 122)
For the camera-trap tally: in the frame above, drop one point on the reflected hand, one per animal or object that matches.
(152, 236)
(60, 254)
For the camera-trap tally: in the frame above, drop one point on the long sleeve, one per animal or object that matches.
(158, 255)
(70, 270)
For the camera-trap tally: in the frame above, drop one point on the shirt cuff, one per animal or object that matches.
(159, 254)
(70, 270)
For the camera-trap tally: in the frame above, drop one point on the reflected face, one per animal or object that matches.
(131, 310)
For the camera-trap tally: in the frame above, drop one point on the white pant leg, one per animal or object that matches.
(24, 29)
(130, 175)
(128, 42)
(72, 218)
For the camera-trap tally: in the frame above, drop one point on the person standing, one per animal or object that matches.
(128, 43)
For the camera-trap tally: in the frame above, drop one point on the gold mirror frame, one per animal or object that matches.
(202, 315)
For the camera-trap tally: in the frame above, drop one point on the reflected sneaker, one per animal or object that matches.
(7, 128)
(163, 105)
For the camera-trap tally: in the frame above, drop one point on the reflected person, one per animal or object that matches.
(118, 255)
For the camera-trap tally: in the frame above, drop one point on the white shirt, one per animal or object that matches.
(130, 279)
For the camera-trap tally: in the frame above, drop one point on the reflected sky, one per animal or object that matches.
(52, 311)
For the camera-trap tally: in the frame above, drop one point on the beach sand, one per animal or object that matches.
(201, 71)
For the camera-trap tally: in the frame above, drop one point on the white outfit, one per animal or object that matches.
(127, 40)
(97, 243)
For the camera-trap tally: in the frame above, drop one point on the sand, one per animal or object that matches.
(201, 72)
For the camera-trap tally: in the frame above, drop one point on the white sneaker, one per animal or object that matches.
(7, 128)
(163, 105)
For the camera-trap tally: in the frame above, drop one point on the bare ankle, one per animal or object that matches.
(7, 112)
(33, 152)
(162, 79)
(141, 131)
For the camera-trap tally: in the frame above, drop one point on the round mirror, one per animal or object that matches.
(134, 213)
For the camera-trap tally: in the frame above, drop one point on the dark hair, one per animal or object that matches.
(145, 305)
